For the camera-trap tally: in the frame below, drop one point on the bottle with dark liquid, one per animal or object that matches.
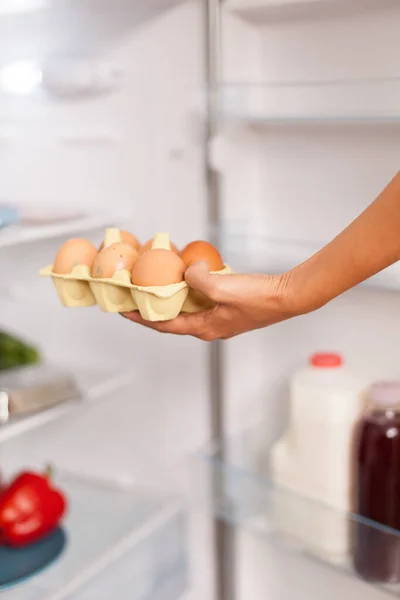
(376, 546)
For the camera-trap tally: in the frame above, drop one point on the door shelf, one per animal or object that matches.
(261, 254)
(261, 11)
(375, 101)
(234, 484)
(121, 542)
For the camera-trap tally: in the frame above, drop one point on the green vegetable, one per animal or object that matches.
(15, 353)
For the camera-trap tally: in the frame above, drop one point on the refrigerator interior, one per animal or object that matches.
(292, 75)
(155, 192)
(135, 154)
(138, 150)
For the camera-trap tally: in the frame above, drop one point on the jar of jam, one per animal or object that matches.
(376, 539)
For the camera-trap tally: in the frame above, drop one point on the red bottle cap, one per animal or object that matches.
(326, 360)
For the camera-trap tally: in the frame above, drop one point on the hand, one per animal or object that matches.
(243, 303)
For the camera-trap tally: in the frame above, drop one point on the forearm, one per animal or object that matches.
(371, 243)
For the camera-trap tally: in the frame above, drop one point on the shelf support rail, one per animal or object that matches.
(223, 534)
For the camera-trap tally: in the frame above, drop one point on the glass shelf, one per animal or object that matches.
(44, 29)
(257, 11)
(120, 542)
(34, 229)
(234, 484)
(93, 384)
(252, 252)
(374, 101)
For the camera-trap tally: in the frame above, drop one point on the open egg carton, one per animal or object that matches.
(123, 276)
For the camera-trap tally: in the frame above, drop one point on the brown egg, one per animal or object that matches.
(205, 251)
(158, 267)
(73, 253)
(127, 238)
(147, 246)
(114, 258)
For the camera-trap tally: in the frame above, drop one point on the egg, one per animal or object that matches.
(158, 267)
(73, 253)
(199, 250)
(117, 257)
(127, 238)
(147, 246)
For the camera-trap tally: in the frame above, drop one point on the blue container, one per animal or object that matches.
(8, 216)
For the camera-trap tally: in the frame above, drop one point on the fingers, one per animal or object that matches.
(184, 324)
(200, 279)
(198, 325)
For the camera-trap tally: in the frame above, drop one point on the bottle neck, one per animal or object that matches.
(384, 413)
(385, 397)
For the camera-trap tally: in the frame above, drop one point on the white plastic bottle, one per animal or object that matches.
(311, 464)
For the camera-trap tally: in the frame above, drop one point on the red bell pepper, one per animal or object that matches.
(30, 508)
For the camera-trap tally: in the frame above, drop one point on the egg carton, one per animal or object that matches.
(118, 294)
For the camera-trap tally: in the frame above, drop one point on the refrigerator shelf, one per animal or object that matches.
(95, 385)
(234, 484)
(256, 253)
(31, 231)
(347, 102)
(121, 542)
(41, 30)
(260, 11)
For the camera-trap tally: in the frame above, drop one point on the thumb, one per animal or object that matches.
(199, 278)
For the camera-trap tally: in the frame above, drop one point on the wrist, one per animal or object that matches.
(305, 293)
(287, 295)
(296, 296)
